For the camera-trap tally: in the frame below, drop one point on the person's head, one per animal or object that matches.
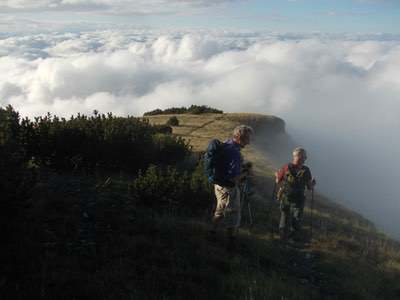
(242, 135)
(299, 156)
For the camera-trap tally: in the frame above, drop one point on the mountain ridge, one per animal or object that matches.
(110, 234)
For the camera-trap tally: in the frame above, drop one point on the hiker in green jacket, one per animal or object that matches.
(293, 178)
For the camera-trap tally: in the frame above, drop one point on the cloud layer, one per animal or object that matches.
(340, 97)
(140, 7)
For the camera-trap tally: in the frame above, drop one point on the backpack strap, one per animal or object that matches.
(291, 170)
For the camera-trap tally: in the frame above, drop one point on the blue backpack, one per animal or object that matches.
(213, 161)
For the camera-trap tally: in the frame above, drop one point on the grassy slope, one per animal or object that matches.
(348, 256)
(86, 241)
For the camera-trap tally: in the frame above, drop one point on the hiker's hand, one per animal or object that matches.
(313, 183)
(247, 168)
(237, 180)
(278, 195)
(276, 177)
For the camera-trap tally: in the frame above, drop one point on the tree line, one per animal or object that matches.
(193, 109)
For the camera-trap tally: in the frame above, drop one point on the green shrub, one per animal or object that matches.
(170, 149)
(173, 121)
(158, 187)
(94, 142)
(164, 129)
(17, 174)
(201, 188)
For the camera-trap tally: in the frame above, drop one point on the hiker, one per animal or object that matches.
(292, 179)
(223, 165)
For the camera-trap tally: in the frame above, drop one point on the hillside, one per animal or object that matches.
(347, 255)
(84, 236)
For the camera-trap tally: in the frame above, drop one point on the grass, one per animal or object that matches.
(92, 242)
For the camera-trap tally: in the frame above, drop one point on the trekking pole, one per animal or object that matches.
(250, 214)
(270, 208)
(246, 191)
(273, 192)
(244, 199)
(311, 216)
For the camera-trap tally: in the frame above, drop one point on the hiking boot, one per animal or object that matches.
(282, 235)
(297, 239)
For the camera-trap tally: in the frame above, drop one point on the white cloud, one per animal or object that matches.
(340, 97)
(142, 7)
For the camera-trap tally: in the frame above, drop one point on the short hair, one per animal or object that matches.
(243, 130)
(300, 151)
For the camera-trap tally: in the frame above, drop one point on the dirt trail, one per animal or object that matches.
(202, 126)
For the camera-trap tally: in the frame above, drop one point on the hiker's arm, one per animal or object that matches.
(235, 168)
(279, 175)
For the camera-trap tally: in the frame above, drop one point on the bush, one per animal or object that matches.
(88, 143)
(164, 129)
(170, 149)
(173, 121)
(17, 174)
(158, 187)
(202, 190)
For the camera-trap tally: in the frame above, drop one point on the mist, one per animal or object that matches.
(358, 174)
(339, 96)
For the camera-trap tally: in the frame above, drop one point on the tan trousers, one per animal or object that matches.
(228, 205)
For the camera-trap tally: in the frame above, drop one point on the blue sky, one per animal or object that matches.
(365, 16)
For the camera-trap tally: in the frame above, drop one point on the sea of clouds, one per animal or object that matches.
(340, 95)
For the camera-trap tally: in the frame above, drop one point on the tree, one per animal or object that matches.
(173, 121)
